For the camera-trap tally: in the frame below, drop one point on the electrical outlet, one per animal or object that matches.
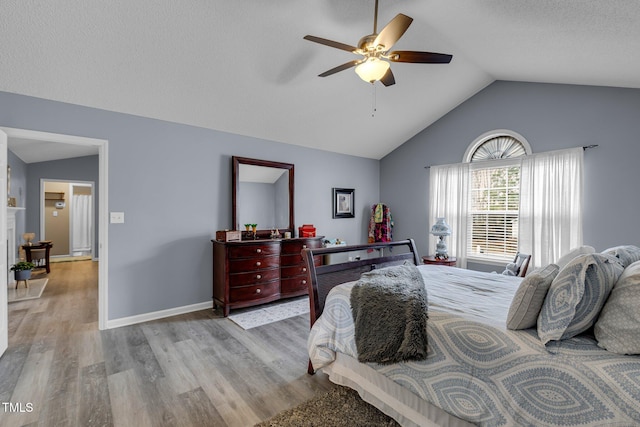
(117, 217)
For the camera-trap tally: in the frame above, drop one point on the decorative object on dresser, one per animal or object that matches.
(307, 230)
(441, 230)
(450, 262)
(228, 235)
(253, 272)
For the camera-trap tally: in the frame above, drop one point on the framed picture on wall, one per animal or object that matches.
(343, 202)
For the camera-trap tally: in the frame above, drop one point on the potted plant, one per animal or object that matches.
(22, 270)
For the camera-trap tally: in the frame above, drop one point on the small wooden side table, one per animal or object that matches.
(39, 254)
(449, 262)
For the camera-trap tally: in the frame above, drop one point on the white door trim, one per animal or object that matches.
(103, 184)
(4, 268)
(72, 183)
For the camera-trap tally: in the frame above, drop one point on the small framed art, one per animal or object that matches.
(343, 202)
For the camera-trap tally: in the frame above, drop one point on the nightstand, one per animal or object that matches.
(449, 262)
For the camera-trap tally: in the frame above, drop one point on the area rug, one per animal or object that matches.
(36, 286)
(339, 407)
(269, 313)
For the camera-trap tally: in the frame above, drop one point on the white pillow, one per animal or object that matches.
(527, 302)
(569, 256)
(618, 328)
(627, 254)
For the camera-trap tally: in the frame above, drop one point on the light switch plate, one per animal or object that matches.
(117, 217)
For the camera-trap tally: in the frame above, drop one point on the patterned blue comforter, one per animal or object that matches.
(481, 372)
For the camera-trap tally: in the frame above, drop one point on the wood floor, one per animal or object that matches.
(197, 369)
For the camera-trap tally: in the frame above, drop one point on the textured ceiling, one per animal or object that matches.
(243, 67)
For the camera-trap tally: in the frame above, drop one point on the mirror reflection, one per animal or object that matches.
(263, 197)
(262, 194)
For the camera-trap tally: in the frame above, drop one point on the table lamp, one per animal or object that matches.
(28, 237)
(441, 229)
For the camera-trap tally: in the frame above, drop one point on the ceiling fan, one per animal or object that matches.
(375, 49)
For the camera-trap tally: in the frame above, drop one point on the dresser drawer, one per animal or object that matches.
(296, 246)
(253, 249)
(294, 285)
(254, 277)
(296, 270)
(298, 260)
(253, 264)
(253, 293)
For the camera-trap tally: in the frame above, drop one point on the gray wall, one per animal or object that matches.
(550, 117)
(76, 169)
(173, 182)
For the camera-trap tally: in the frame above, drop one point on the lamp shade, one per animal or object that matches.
(372, 69)
(441, 228)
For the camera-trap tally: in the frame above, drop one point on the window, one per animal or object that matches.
(523, 201)
(494, 196)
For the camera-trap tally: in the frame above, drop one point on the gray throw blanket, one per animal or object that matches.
(389, 308)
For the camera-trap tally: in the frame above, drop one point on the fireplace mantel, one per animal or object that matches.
(12, 239)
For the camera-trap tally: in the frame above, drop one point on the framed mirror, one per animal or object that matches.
(262, 194)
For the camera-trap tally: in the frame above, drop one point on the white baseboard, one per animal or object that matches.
(140, 318)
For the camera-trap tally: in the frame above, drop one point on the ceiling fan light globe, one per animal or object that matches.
(373, 69)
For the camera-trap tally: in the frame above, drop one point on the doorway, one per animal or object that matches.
(41, 142)
(67, 218)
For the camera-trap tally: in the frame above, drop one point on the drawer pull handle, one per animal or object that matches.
(258, 291)
(304, 246)
(258, 277)
(304, 269)
(258, 250)
(258, 264)
(304, 282)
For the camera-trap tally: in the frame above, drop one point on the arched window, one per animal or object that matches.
(494, 194)
(497, 144)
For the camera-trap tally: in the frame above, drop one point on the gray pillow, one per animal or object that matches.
(576, 296)
(580, 250)
(627, 254)
(527, 302)
(618, 328)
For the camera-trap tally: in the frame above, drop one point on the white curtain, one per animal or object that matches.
(81, 222)
(551, 204)
(448, 187)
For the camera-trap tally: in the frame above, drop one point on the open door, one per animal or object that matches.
(4, 269)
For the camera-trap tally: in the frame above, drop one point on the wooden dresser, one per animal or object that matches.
(252, 272)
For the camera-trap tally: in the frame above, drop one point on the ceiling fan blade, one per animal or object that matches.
(342, 67)
(388, 78)
(392, 32)
(330, 43)
(419, 57)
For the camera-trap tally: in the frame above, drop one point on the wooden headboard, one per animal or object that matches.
(324, 277)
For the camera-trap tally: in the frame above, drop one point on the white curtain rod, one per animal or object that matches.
(584, 147)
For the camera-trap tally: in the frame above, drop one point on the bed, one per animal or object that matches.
(476, 372)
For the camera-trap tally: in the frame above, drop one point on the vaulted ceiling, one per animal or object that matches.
(243, 67)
